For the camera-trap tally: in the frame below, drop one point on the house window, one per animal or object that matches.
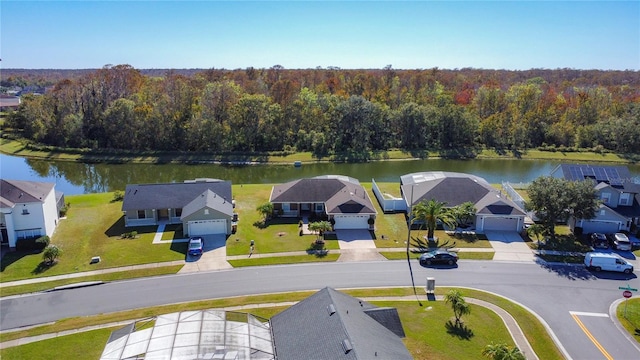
(605, 197)
(319, 207)
(179, 212)
(601, 212)
(25, 211)
(625, 199)
(142, 214)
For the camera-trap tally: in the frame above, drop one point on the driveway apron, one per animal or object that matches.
(509, 246)
(214, 256)
(357, 245)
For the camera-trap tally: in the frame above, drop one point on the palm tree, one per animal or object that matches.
(320, 227)
(458, 304)
(51, 254)
(464, 212)
(266, 210)
(430, 213)
(502, 352)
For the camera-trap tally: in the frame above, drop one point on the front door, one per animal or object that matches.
(163, 214)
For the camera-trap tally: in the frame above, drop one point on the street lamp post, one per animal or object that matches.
(409, 223)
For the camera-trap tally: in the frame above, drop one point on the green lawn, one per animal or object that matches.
(428, 335)
(93, 227)
(630, 318)
(279, 260)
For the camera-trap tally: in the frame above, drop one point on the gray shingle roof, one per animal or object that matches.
(17, 191)
(171, 195)
(208, 199)
(341, 195)
(317, 327)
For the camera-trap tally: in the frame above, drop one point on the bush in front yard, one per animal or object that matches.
(32, 244)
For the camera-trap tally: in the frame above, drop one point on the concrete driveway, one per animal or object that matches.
(357, 245)
(509, 246)
(214, 256)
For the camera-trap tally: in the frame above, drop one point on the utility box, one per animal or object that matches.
(431, 285)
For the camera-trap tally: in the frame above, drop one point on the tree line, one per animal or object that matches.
(347, 114)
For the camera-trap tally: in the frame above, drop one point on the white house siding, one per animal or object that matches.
(50, 209)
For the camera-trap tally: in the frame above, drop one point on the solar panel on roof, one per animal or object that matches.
(588, 171)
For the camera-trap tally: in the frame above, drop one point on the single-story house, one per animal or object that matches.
(28, 209)
(326, 325)
(333, 325)
(619, 194)
(202, 206)
(494, 211)
(8, 102)
(340, 198)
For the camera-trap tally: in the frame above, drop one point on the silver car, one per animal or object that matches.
(621, 242)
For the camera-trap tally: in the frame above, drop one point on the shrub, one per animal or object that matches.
(118, 196)
(43, 241)
(32, 244)
(129, 235)
(64, 209)
(50, 254)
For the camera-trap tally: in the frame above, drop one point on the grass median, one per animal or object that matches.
(428, 336)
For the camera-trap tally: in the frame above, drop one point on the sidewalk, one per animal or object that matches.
(372, 256)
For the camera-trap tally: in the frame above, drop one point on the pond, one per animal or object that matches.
(77, 178)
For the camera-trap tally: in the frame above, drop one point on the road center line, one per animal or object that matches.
(591, 337)
(580, 313)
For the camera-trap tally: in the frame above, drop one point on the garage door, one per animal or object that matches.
(206, 227)
(605, 227)
(351, 222)
(501, 223)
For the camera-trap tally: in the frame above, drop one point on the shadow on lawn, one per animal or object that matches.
(42, 267)
(118, 228)
(459, 330)
(12, 257)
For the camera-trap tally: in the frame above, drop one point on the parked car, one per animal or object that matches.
(599, 241)
(196, 244)
(635, 242)
(607, 261)
(621, 242)
(439, 257)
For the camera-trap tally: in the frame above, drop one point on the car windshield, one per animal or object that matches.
(194, 244)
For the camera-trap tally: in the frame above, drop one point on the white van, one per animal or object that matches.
(605, 261)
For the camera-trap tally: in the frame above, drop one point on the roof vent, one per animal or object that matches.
(331, 309)
(346, 345)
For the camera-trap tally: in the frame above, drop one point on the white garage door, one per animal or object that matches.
(605, 227)
(206, 227)
(501, 223)
(351, 222)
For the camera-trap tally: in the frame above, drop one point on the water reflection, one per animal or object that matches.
(74, 178)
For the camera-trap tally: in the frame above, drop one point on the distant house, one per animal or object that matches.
(493, 210)
(203, 206)
(9, 102)
(326, 325)
(620, 196)
(338, 198)
(28, 209)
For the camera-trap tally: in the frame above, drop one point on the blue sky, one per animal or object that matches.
(300, 34)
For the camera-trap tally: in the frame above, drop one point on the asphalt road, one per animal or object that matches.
(553, 292)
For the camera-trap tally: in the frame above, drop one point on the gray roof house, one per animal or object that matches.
(202, 206)
(28, 209)
(616, 188)
(339, 198)
(333, 325)
(326, 325)
(494, 211)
